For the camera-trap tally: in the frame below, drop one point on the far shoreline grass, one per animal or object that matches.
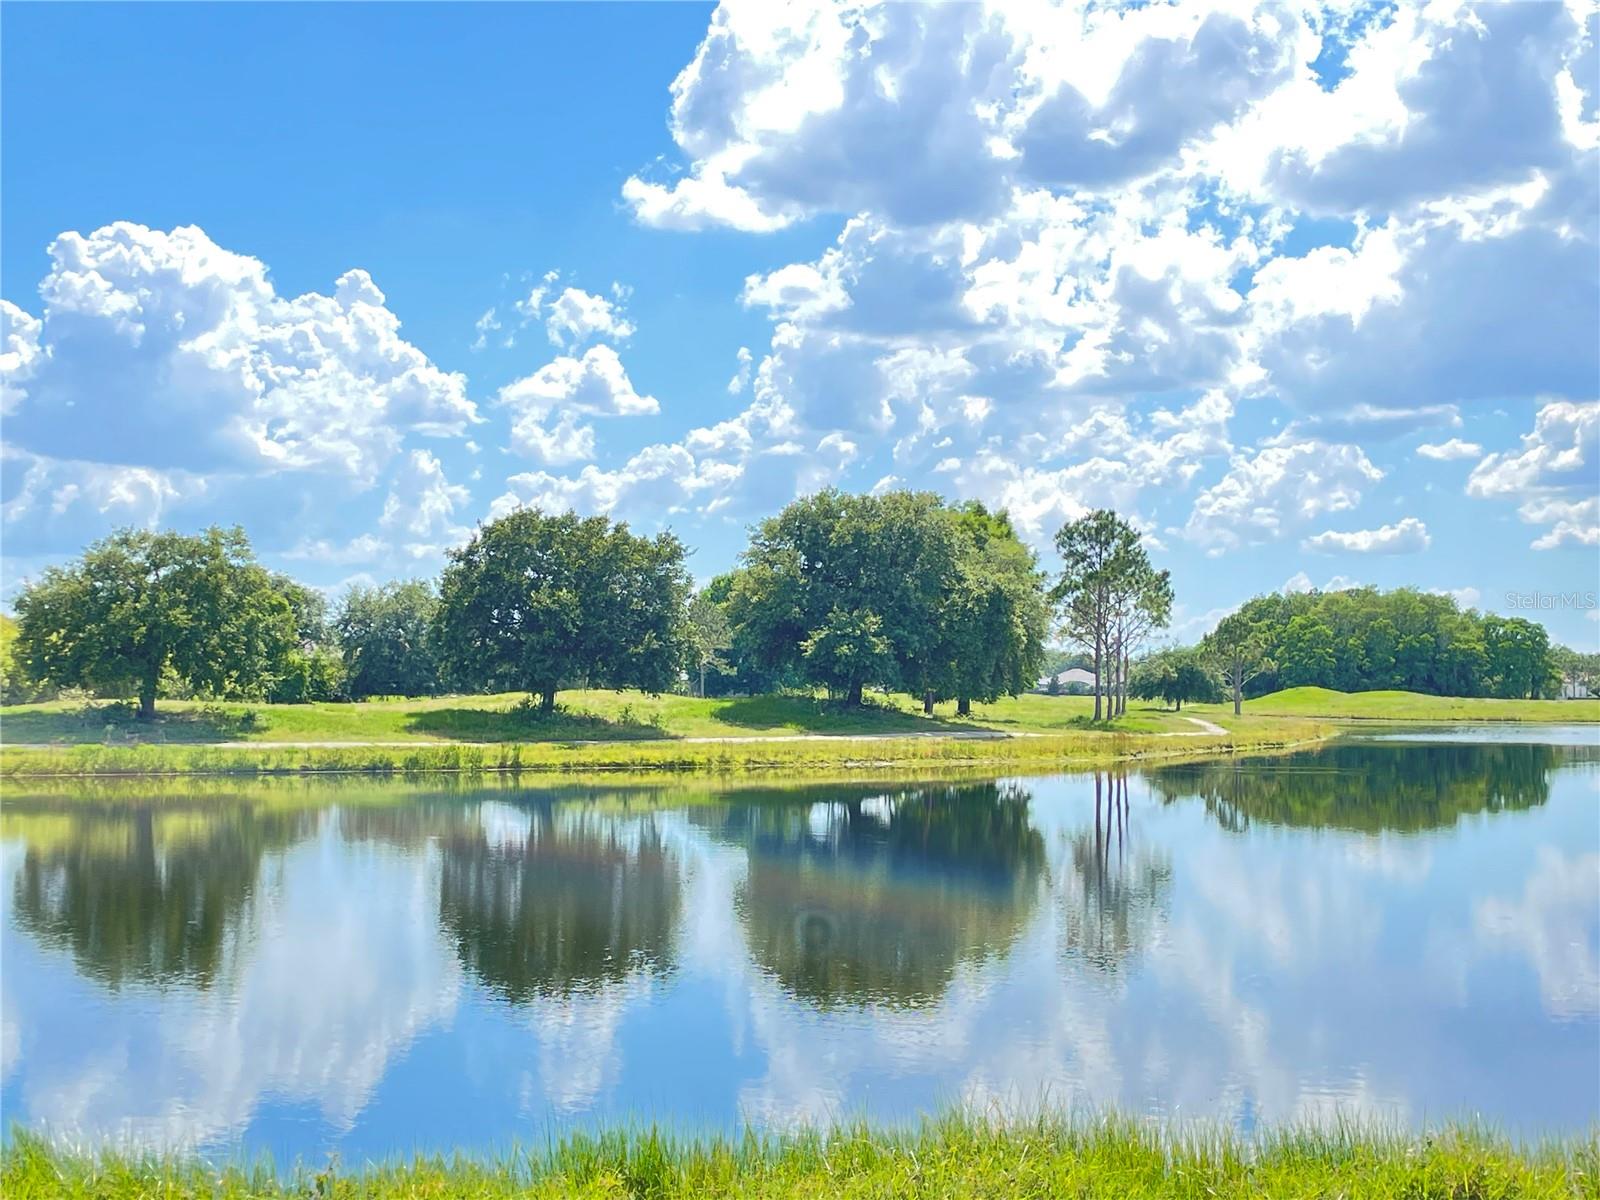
(810, 756)
(628, 732)
(951, 1156)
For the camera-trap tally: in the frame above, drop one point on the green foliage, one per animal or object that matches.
(1363, 639)
(139, 606)
(1177, 677)
(994, 617)
(710, 634)
(1237, 649)
(309, 675)
(955, 1155)
(15, 685)
(848, 649)
(535, 601)
(896, 590)
(1110, 596)
(384, 634)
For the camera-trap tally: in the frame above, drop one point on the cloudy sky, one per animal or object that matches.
(1310, 292)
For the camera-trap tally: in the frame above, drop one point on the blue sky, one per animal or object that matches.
(1310, 293)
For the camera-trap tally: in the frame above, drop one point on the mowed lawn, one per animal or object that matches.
(581, 715)
(1412, 706)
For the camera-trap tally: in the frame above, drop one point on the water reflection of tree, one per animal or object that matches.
(568, 903)
(878, 897)
(1115, 899)
(1370, 787)
(154, 894)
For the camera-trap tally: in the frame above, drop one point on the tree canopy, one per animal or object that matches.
(1110, 598)
(139, 607)
(1364, 639)
(894, 590)
(385, 636)
(534, 602)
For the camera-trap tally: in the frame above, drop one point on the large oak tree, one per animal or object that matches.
(536, 602)
(142, 606)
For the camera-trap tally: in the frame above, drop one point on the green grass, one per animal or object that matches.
(843, 754)
(581, 715)
(950, 1157)
(1413, 706)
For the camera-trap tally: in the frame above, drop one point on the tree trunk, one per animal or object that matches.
(547, 700)
(1238, 691)
(147, 700)
(927, 704)
(1097, 688)
(702, 681)
(853, 697)
(963, 706)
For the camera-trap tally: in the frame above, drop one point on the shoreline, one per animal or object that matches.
(956, 1154)
(821, 754)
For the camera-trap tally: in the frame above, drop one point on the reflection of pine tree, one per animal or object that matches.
(1369, 787)
(151, 894)
(1116, 900)
(878, 898)
(570, 907)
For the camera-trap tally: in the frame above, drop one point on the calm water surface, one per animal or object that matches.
(1401, 929)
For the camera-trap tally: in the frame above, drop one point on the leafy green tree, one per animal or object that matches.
(1307, 656)
(844, 591)
(140, 605)
(994, 617)
(15, 686)
(1176, 677)
(710, 634)
(534, 602)
(385, 636)
(1519, 660)
(310, 674)
(1109, 595)
(1237, 647)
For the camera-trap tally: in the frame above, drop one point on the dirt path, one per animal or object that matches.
(1206, 726)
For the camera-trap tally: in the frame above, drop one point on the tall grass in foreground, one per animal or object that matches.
(830, 754)
(950, 1157)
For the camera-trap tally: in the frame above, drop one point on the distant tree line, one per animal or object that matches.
(1364, 639)
(901, 591)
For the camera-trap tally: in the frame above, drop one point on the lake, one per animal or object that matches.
(1404, 927)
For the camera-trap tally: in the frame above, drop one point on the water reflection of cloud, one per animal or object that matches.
(1183, 969)
(347, 969)
(1556, 926)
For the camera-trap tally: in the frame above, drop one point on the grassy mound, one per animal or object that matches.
(1414, 706)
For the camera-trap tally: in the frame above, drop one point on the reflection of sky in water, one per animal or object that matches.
(1165, 964)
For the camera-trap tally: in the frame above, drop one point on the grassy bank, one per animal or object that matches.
(581, 715)
(949, 1158)
(839, 754)
(1325, 703)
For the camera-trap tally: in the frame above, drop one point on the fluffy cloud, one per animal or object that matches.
(167, 380)
(547, 406)
(164, 350)
(423, 506)
(1552, 475)
(576, 316)
(1408, 536)
(1450, 451)
(928, 114)
(1278, 487)
(1113, 237)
